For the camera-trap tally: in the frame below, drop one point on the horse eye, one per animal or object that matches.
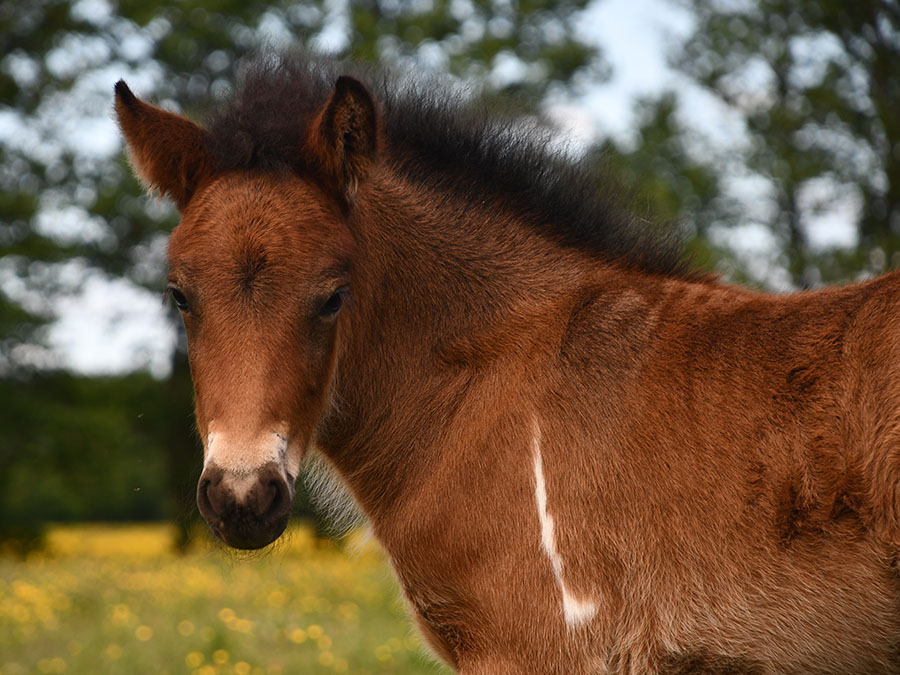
(333, 305)
(180, 301)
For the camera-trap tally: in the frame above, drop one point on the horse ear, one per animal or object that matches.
(167, 151)
(344, 136)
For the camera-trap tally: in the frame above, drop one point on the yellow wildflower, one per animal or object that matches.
(194, 659)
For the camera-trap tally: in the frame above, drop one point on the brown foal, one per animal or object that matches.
(580, 456)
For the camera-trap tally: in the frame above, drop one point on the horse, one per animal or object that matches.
(580, 454)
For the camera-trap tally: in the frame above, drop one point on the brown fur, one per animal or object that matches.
(722, 466)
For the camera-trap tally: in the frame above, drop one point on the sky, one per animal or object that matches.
(112, 326)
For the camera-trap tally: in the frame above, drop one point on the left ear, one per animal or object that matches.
(343, 137)
(167, 151)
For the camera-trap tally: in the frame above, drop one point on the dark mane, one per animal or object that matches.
(436, 135)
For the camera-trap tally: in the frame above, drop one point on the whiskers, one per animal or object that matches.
(330, 497)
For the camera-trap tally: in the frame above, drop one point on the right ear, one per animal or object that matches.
(168, 152)
(343, 137)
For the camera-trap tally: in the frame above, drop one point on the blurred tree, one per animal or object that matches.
(666, 183)
(79, 448)
(818, 84)
(66, 204)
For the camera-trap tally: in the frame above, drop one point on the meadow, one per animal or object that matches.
(118, 599)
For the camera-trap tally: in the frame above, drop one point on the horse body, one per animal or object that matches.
(694, 508)
(576, 463)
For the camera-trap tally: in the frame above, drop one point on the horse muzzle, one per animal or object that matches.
(246, 510)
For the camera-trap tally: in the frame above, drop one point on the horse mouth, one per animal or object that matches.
(246, 538)
(238, 533)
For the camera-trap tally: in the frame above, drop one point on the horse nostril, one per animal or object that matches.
(209, 494)
(205, 502)
(203, 497)
(268, 498)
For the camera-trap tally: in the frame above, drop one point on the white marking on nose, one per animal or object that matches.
(242, 459)
(575, 611)
(240, 484)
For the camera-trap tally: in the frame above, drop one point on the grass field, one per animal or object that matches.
(116, 599)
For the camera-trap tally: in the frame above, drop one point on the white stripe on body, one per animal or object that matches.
(576, 612)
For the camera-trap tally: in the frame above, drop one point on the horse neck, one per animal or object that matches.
(443, 292)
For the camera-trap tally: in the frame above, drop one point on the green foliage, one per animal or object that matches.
(80, 448)
(665, 183)
(470, 38)
(819, 87)
(816, 87)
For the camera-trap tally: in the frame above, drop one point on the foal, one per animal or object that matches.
(580, 456)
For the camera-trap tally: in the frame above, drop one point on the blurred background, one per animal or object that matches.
(768, 132)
